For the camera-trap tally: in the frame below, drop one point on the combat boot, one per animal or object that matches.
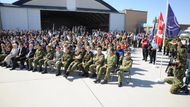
(120, 84)
(58, 73)
(97, 81)
(104, 82)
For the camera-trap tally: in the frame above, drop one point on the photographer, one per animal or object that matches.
(179, 68)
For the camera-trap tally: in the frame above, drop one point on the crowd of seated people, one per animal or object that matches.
(64, 51)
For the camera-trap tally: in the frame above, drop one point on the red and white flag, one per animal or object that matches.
(160, 31)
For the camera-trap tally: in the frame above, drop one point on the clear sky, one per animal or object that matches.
(181, 8)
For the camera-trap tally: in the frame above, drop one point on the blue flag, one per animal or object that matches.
(173, 28)
(153, 33)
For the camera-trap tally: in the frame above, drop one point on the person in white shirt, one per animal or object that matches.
(13, 53)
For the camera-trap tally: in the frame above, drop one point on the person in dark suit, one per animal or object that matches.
(30, 54)
(20, 57)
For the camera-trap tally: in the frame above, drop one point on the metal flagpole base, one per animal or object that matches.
(159, 80)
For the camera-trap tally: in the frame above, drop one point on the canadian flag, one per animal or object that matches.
(160, 31)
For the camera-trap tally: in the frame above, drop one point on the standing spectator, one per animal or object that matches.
(145, 48)
(153, 49)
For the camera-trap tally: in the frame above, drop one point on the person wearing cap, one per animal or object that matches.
(87, 61)
(77, 60)
(106, 69)
(125, 67)
(46, 58)
(66, 59)
(35, 60)
(98, 61)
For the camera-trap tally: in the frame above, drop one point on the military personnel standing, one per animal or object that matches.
(181, 53)
(173, 48)
(37, 56)
(111, 65)
(125, 67)
(77, 60)
(66, 59)
(179, 70)
(87, 61)
(166, 47)
(98, 62)
(47, 57)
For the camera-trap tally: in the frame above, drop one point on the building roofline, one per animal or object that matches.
(112, 9)
(21, 2)
(56, 7)
(135, 10)
(107, 5)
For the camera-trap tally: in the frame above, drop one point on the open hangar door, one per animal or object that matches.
(70, 19)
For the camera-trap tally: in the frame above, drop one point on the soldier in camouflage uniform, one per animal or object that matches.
(77, 60)
(37, 56)
(48, 56)
(98, 62)
(57, 58)
(66, 59)
(125, 67)
(178, 70)
(173, 48)
(87, 61)
(166, 47)
(111, 65)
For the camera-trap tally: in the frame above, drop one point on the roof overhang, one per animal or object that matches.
(21, 3)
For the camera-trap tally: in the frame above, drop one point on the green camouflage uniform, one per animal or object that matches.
(173, 49)
(65, 61)
(125, 67)
(98, 61)
(167, 47)
(48, 56)
(178, 71)
(56, 59)
(77, 60)
(37, 56)
(111, 65)
(87, 61)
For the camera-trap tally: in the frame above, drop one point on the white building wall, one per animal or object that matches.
(14, 18)
(117, 22)
(20, 18)
(71, 5)
(34, 19)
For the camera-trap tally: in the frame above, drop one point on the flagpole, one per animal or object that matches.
(164, 38)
